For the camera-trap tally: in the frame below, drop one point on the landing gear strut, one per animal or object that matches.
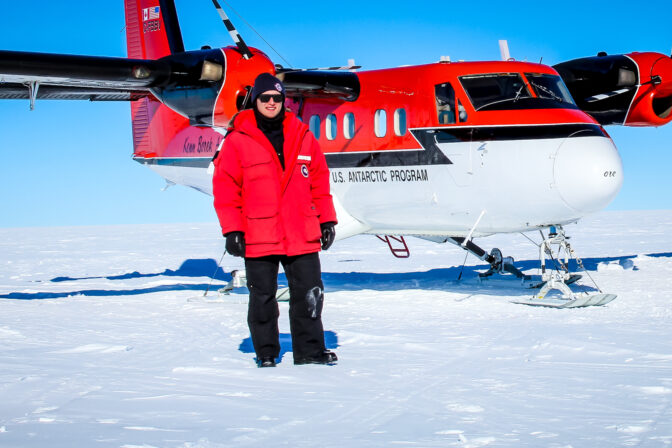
(555, 247)
(498, 263)
(558, 279)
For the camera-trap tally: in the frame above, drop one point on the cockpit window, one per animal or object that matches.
(549, 86)
(509, 91)
(445, 103)
(489, 90)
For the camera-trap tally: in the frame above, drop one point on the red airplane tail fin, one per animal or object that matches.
(152, 32)
(152, 29)
(207, 87)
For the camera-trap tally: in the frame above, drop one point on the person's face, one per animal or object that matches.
(269, 108)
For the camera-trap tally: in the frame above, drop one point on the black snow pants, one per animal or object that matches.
(304, 276)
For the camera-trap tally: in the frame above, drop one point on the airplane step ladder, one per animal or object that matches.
(399, 252)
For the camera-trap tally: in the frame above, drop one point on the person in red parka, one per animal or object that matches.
(272, 198)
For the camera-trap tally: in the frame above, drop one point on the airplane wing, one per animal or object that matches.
(343, 85)
(19, 91)
(33, 76)
(25, 75)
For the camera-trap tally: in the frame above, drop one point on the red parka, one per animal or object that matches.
(279, 211)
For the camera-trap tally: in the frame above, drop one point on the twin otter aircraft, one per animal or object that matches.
(445, 151)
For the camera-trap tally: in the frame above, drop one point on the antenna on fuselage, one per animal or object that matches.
(235, 35)
(504, 50)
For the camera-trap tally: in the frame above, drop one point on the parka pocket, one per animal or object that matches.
(258, 169)
(262, 230)
(261, 204)
(312, 231)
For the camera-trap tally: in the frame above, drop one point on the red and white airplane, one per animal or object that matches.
(446, 151)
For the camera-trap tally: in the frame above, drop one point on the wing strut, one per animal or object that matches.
(33, 86)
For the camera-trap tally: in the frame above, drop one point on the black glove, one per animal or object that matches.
(235, 243)
(328, 234)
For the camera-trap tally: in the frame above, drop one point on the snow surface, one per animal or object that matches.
(100, 345)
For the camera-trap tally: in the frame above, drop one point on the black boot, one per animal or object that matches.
(266, 361)
(326, 357)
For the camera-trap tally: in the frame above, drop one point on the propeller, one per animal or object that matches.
(604, 96)
(247, 54)
(235, 35)
(280, 69)
(655, 80)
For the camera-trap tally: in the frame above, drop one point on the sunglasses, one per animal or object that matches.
(265, 97)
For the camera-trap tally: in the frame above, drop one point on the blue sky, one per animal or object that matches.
(69, 163)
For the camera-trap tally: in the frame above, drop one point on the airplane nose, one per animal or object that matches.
(588, 173)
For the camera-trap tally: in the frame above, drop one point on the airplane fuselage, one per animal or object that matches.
(434, 149)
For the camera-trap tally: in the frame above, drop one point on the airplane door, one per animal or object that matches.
(460, 143)
(467, 149)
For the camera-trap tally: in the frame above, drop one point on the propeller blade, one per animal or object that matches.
(235, 35)
(604, 96)
(281, 69)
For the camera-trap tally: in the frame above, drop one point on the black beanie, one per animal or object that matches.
(265, 82)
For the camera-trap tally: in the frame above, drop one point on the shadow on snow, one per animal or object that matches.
(330, 341)
(442, 279)
(204, 267)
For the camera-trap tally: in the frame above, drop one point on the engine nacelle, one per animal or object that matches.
(209, 86)
(652, 105)
(630, 90)
(239, 76)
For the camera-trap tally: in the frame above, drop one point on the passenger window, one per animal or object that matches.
(380, 123)
(331, 127)
(349, 125)
(445, 103)
(400, 122)
(314, 126)
(462, 112)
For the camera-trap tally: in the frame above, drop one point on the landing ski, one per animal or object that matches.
(581, 301)
(220, 298)
(225, 295)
